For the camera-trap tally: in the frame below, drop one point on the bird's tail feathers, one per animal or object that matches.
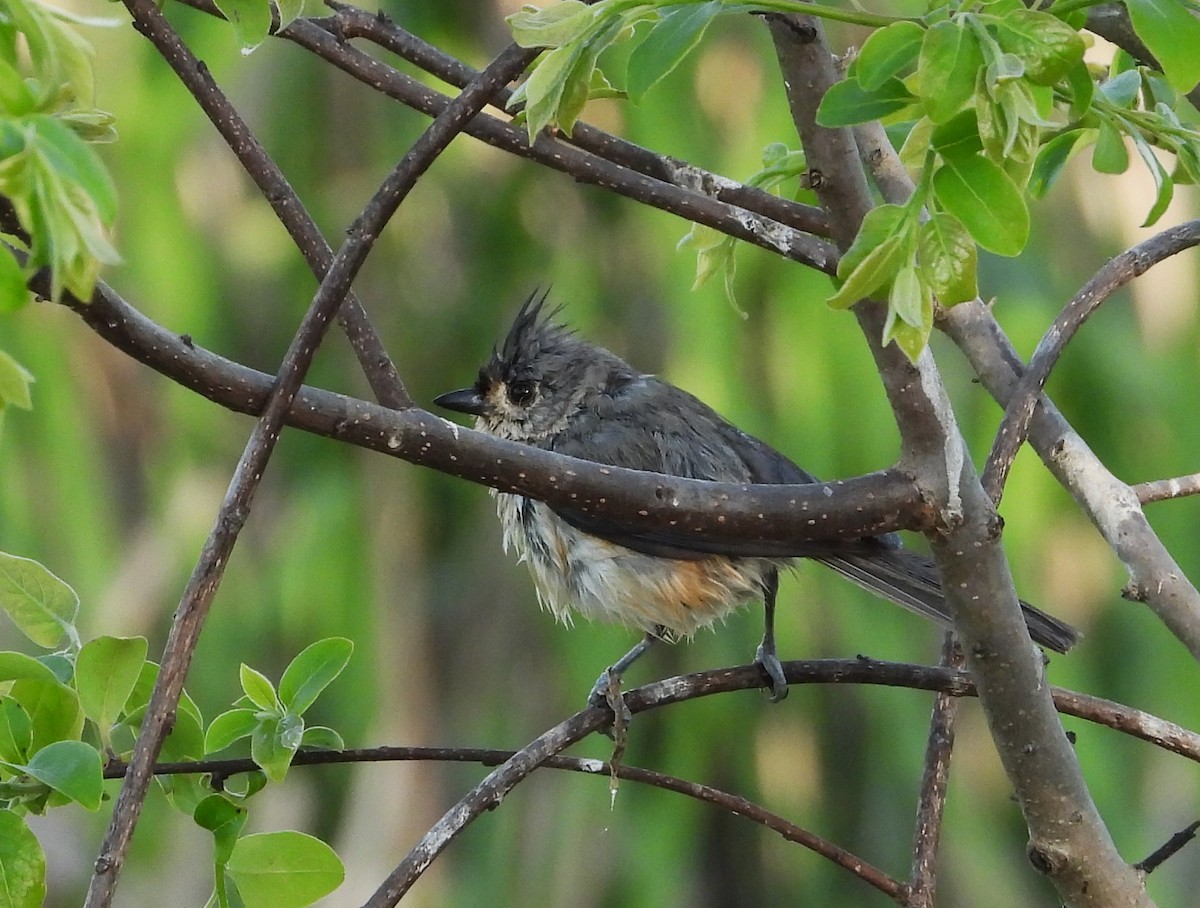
(912, 582)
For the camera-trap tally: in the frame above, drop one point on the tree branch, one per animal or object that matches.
(767, 519)
(935, 779)
(1166, 489)
(1069, 841)
(202, 586)
(1115, 274)
(376, 364)
(353, 22)
(1155, 577)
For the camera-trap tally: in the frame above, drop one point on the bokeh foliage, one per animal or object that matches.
(113, 478)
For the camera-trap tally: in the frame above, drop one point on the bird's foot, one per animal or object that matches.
(606, 692)
(765, 657)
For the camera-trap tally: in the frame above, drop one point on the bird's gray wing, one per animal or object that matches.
(651, 425)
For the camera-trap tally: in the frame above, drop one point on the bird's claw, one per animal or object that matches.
(606, 692)
(766, 658)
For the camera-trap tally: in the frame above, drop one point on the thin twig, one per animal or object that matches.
(1108, 280)
(678, 188)
(1170, 848)
(730, 803)
(516, 766)
(1166, 489)
(354, 22)
(935, 779)
(206, 577)
(376, 364)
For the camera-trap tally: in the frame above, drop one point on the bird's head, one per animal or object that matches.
(538, 379)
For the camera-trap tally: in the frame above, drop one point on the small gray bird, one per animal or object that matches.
(548, 388)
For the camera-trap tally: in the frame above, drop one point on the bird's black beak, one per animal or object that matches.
(464, 400)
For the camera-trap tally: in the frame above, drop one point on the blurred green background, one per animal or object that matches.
(113, 480)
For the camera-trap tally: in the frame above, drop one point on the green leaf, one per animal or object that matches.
(986, 200)
(289, 12)
(888, 52)
(1122, 90)
(258, 688)
(312, 671)
(881, 224)
(53, 709)
(1164, 186)
(22, 864)
(948, 259)
(16, 100)
(1172, 32)
(909, 339)
(16, 731)
(958, 135)
(225, 820)
(318, 737)
(77, 162)
(1083, 89)
(1051, 159)
(950, 59)
(1110, 154)
(13, 293)
(553, 26)
(284, 870)
(71, 768)
(40, 604)
(251, 21)
(905, 296)
(274, 743)
(185, 741)
(105, 672)
(875, 271)
(543, 90)
(18, 665)
(229, 727)
(1046, 45)
(847, 103)
(671, 39)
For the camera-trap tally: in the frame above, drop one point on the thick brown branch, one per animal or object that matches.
(776, 517)
(1069, 841)
(1114, 508)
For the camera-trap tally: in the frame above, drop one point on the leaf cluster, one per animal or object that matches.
(66, 713)
(992, 99)
(60, 190)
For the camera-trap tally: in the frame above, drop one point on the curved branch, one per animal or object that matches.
(1108, 280)
(946, 680)
(770, 520)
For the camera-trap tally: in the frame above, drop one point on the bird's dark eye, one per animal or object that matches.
(521, 392)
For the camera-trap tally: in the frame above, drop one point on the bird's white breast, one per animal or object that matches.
(573, 570)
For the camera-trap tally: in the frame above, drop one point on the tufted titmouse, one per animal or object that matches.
(548, 388)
